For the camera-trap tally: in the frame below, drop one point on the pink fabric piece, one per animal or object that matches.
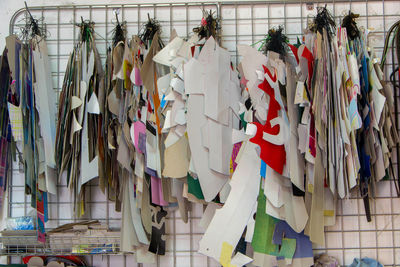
(157, 196)
(139, 127)
(235, 152)
(138, 79)
(243, 81)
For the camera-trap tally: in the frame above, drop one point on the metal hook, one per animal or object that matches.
(27, 9)
(116, 16)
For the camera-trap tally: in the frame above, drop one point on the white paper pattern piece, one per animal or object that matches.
(89, 169)
(46, 97)
(229, 222)
(209, 107)
(93, 105)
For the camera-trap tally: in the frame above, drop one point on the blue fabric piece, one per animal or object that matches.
(303, 243)
(150, 172)
(367, 120)
(364, 83)
(241, 246)
(163, 102)
(17, 83)
(45, 205)
(365, 73)
(173, 204)
(263, 169)
(365, 170)
(365, 262)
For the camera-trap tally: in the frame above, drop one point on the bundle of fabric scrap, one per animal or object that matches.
(7, 142)
(28, 116)
(77, 149)
(133, 141)
(316, 125)
(164, 96)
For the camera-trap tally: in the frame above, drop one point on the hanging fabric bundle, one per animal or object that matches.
(133, 141)
(173, 98)
(7, 136)
(378, 135)
(151, 124)
(30, 115)
(316, 126)
(76, 146)
(213, 129)
(114, 116)
(270, 80)
(324, 153)
(123, 82)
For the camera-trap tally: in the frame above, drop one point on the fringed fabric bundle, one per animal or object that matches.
(28, 120)
(77, 147)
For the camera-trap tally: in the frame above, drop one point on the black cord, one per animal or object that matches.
(395, 28)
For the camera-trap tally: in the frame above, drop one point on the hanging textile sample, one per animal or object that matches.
(270, 81)
(32, 110)
(76, 146)
(7, 142)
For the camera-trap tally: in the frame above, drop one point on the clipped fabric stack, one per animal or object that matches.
(77, 150)
(320, 124)
(28, 117)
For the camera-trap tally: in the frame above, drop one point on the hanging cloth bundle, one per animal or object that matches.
(31, 111)
(77, 146)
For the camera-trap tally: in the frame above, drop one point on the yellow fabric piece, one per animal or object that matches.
(329, 213)
(226, 253)
(310, 188)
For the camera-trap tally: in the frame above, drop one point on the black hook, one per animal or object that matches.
(116, 16)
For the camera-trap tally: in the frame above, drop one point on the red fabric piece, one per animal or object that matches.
(273, 155)
(192, 50)
(310, 59)
(149, 109)
(311, 143)
(294, 51)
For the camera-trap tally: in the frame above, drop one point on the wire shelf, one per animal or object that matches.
(24, 243)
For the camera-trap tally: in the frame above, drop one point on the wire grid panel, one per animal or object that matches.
(242, 23)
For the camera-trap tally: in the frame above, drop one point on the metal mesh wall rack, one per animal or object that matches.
(242, 22)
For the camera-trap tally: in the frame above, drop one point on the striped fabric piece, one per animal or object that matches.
(16, 121)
